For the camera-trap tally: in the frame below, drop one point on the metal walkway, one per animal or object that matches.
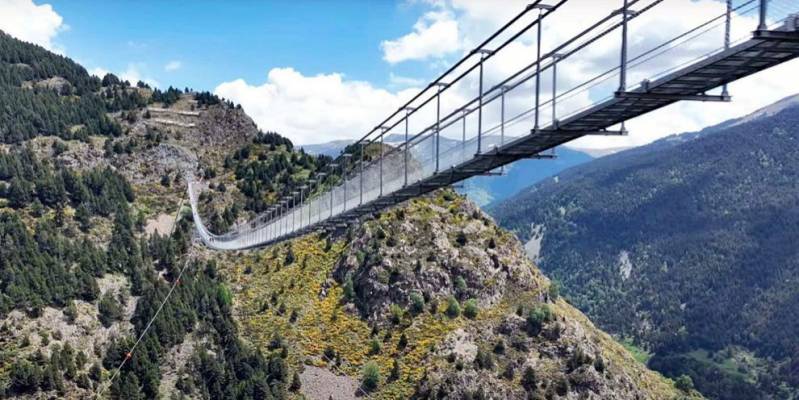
(419, 165)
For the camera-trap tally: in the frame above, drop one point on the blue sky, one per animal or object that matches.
(216, 41)
(321, 70)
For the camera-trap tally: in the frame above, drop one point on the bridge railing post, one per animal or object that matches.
(762, 26)
(320, 179)
(271, 225)
(463, 135)
(407, 145)
(437, 140)
(382, 156)
(437, 143)
(344, 173)
(727, 28)
(294, 210)
(623, 63)
(302, 202)
(310, 200)
(360, 202)
(538, 71)
(502, 91)
(286, 213)
(555, 59)
(483, 55)
(332, 167)
(280, 219)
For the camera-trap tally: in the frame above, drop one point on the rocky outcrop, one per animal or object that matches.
(441, 247)
(518, 339)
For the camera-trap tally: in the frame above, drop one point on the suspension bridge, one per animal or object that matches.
(520, 107)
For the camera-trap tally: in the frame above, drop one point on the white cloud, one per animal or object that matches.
(404, 81)
(173, 65)
(27, 21)
(133, 73)
(313, 109)
(434, 35)
(99, 72)
(476, 19)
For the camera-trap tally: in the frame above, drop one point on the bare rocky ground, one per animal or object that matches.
(322, 384)
(161, 224)
(176, 362)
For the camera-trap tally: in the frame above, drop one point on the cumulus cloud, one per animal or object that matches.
(434, 35)
(27, 21)
(173, 65)
(133, 73)
(313, 109)
(476, 19)
(404, 81)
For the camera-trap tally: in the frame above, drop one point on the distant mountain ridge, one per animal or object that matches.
(686, 245)
(484, 190)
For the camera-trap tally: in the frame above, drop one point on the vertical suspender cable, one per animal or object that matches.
(538, 72)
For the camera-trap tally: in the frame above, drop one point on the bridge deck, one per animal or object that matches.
(764, 50)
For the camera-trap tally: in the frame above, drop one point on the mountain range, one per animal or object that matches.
(686, 248)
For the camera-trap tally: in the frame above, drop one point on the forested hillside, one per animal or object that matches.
(81, 274)
(686, 247)
(427, 300)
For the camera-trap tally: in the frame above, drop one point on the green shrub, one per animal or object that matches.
(109, 310)
(470, 309)
(349, 289)
(684, 383)
(529, 379)
(453, 308)
(499, 348)
(403, 342)
(460, 284)
(554, 290)
(295, 383)
(290, 256)
(374, 347)
(484, 360)
(536, 319)
(329, 353)
(71, 312)
(396, 313)
(509, 373)
(461, 239)
(417, 303)
(370, 376)
(395, 371)
(599, 364)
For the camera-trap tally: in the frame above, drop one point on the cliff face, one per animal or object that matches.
(437, 298)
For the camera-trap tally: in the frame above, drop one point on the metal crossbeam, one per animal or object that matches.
(673, 97)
